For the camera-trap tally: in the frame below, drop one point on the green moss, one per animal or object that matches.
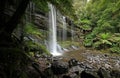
(32, 29)
(36, 47)
(67, 44)
(43, 49)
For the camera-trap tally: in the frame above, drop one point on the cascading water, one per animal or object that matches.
(72, 35)
(72, 32)
(64, 32)
(52, 31)
(64, 29)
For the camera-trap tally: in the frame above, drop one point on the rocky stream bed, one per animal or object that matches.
(78, 64)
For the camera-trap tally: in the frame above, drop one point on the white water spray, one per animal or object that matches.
(53, 31)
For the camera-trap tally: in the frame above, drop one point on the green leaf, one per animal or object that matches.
(104, 35)
(86, 27)
(115, 49)
(32, 29)
(106, 42)
(88, 42)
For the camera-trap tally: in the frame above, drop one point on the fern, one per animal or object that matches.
(88, 42)
(103, 41)
(115, 49)
(32, 29)
(104, 36)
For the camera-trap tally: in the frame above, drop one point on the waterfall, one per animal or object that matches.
(52, 31)
(64, 29)
(72, 31)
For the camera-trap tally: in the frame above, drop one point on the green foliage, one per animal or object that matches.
(88, 42)
(86, 27)
(65, 6)
(67, 44)
(115, 38)
(103, 41)
(102, 44)
(115, 50)
(31, 29)
(34, 47)
(116, 43)
(85, 24)
(85, 21)
(41, 5)
(43, 49)
(104, 36)
(102, 16)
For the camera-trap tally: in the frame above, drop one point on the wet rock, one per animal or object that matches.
(89, 74)
(106, 55)
(87, 66)
(32, 73)
(108, 66)
(66, 76)
(59, 67)
(74, 47)
(48, 72)
(49, 58)
(65, 50)
(73, 62)
(117, 64)
(44, 55)
(57, 58)
(82, 65)
(76, 69)
(37, 56)
(103, 73)
(115, 74)
(73, 75)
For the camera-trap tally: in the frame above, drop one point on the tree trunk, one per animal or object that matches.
(6, 29)
(15, 19)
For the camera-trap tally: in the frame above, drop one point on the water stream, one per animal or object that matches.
(53, 31)
(72, 32)
(64, 29)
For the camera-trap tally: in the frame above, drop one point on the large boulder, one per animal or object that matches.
(76, 69)
(89, 74)
(59, 67)
(33, 73)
